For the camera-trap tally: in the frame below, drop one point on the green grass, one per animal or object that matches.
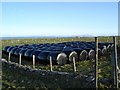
(14, 42)
(13, 77)
(22, 79)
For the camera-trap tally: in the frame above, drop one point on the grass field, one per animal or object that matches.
(16, 79)
(50, 40)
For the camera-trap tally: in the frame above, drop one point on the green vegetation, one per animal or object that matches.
(50, 40)
(16, 78)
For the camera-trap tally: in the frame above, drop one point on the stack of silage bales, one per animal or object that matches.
(61, 53)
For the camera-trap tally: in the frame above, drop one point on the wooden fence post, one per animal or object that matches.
(20, 59)
(51, 64)
(9, 57)
(115, 64)
(33, 61)
(74, 65)
(96, 63)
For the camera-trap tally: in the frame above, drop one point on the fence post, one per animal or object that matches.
(20, 59)
(115, 64)
(74, 65)
(51, 64)
(9, 57)
(96, 63)
(33, 61)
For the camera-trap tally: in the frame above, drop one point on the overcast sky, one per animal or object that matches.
(59, 18)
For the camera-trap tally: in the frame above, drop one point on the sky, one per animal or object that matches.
(59, 19)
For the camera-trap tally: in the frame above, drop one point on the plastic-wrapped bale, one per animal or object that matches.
(68, 44)
(50, 48)
(108, 48)
(99, 52)
(73, 54)
(107, 43)
(91, 53)
(61, 45)
(91, 43)
(47, 44)
(17, 51)
(57, 57)
(28, 52)
(36, 53)
(78, 51)
(5, 48)
(103, 48)
(30, 47)
(54, 45)
(82, 45)
(24, 47)
(92, 46)
(112, 47)
(104, 51)
(8, 50)
(13, 50)
(22, 51)
(67, 50)
(40, 46)
(74, 45)
(21, 46)
(43, 48)
(82, 54)
(58, 49)
(43, 56)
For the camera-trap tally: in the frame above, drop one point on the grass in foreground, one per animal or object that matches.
(16, 78)
(83, 68)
